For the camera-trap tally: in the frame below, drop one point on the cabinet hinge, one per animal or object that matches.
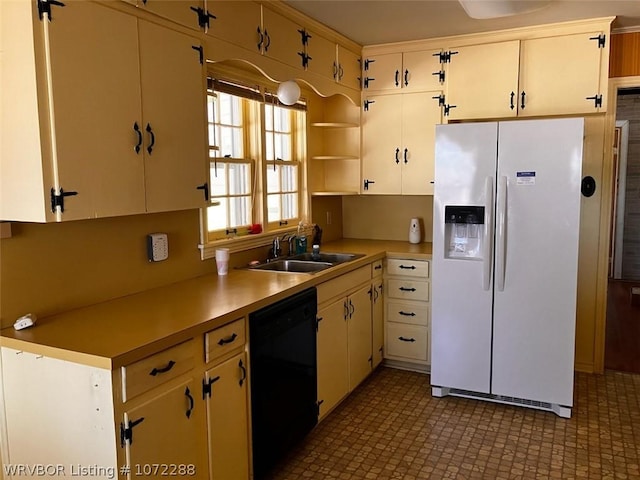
(597, 99)
(445, 57)
(447, 109)
(57, 200)
(305, 59)
(441, 100)
(367, 62)
(44, 6)
(318, 403)
(305, 36)
(200, 50)
(602, 40)
(318, 320)
(126, 434)
(440, 75)
(203, 17)
(367, 80)
(206, 386)
(367, 103)
(366, 184)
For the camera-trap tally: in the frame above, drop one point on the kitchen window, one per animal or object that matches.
(256, 155)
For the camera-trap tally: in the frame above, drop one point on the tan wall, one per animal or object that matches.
(325, 209)
(386, 217)
(50, 268)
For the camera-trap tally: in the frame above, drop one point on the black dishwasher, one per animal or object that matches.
(282, 342)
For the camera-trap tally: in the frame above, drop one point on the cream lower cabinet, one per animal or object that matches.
(398, 141)
(344, 336)
(81, 140)
(377, 287)
(407, 321)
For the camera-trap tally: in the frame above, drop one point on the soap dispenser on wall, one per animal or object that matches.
(414, 231)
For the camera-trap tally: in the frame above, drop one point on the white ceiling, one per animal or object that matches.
(371, 22)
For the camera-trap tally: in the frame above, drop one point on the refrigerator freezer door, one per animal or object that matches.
(534, 316)
(461, 308)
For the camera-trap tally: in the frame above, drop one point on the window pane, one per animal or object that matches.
(217, 215)
(273, 179)
(268, 117)
(210, 108)
(240, 211)
(218, 179)
(289, 205)
(273, 208)
(239, 179)
(289, 178)
(283, 146)
(282, 120)
(269, 146)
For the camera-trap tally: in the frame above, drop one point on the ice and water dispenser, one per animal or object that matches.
(464, 231)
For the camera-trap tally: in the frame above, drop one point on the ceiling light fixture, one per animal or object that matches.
(288, 92)
(481, 9)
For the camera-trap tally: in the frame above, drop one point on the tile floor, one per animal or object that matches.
(391, 428)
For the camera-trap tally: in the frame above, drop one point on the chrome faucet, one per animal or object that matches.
(275, 248)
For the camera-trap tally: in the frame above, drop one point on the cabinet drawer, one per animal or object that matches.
(407, 313)
(406, 341)
(156, 369)
(343, 284)
(408, 289)
(224, 339)
(376, 268)
(408, 268)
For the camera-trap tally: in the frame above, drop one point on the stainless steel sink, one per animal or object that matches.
(333, 258)
(292, 266)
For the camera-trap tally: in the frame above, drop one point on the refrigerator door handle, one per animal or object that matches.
(488, 236)
(501, 234)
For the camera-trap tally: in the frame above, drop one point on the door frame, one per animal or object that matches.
(619, 186)
(615, 84)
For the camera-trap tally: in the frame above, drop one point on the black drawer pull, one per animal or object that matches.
(411, 267)
(156, 371)
(410, 314)
(407, 339)
(224, 341)
(405, 289)
(377, 267)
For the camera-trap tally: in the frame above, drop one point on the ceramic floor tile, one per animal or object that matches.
(392, 428)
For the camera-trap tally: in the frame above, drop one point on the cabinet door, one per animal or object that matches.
(282, 39)
(349, 68)
(96, 101)
(167, 430)
(377, 323)
(420, 115)
(359, 306)
(481, 79)
(227, 419)
(382, 72)
(420, 70)
(172, 80)
(323, 57)
(178, 11)
(381, 142)
(236, 22)
(557, 75)
(333, 363)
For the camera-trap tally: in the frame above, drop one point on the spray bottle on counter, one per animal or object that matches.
(301, 239)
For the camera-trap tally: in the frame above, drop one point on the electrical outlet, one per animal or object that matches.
(157, 247)
(329, 218)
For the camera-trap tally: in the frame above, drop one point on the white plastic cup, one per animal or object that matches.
(222, 260)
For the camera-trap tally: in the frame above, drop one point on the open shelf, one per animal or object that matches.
(335, 157)
(335, 125)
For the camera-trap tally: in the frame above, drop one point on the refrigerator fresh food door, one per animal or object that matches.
(461, 306)
(538, 219)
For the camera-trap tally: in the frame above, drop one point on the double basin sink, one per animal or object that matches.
(306, 262)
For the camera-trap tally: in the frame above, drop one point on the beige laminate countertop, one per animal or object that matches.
(117, 332)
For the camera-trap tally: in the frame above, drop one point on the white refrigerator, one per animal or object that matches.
(505, 259)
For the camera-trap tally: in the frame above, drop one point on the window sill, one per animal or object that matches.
(248, 242)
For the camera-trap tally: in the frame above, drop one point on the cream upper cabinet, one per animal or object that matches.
(237, 22)
(76, 143)
(349, 71)
(398, 143)
(184, 12)
(562, 75)
(280, 38)
(482, 81)
(321, 54)
(420, 70)
(228, 419)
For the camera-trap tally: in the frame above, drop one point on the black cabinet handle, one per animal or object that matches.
(231, 338)
(244, 372)
(410, 267)
(261, 39)
(377, 267)
(406, 78)
(397, 153)
(397, 74)
(405, 289)
(351, 309)
(153, 138)
(512, 106)
(522, 97)
(266, 34)
(407, 339)
(340, 72)
(156, 371)
(205, 189)
(187, 394)
(405, 156)
(136, 128)
(410, 314)
(346, 310)
(335, 71)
